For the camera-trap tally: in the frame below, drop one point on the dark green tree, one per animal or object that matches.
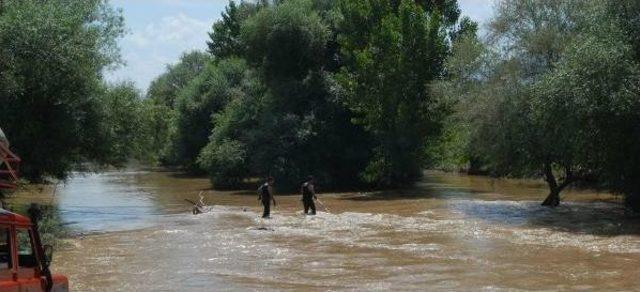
(127, 125)
(52, 56)
(225, 35)
(165, 88)
(206, 95)
(288, 122)
(390, 53)
(160, 102)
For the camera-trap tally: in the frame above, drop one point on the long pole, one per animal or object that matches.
(323, 206)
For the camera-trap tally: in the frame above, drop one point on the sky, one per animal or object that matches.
(160, 31)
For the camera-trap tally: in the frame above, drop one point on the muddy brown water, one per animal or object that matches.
(451, 232)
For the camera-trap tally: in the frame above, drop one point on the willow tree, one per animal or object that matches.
(561, 97)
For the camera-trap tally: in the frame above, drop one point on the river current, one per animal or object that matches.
(450, 232)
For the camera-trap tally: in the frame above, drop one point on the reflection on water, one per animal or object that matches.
(450, 233)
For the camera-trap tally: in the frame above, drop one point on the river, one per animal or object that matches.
(450, 232)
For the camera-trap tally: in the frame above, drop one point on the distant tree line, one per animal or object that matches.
(355, 92)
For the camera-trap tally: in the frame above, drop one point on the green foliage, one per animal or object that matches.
(286, 121)
(161, 102)
(515, 129)
(158, 121)
(51, 58)
(468, 67)
(390, 54)
(626, 14)
(555, 93)
(165, 88)
(291, 115)
(129, 125)
(450, 151)
(596, 93)
(50, 227)
(225, 36)
(204, 96)
(235, 132)
(535, 32)
(286, 41)
(225, 161)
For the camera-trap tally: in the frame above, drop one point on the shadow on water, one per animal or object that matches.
(597, 218)
(430, 188)
(515, 203)
(185, 175)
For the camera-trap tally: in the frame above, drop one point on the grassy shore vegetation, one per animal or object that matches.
(355, 92)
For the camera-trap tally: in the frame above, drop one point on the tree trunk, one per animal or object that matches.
(553, 199)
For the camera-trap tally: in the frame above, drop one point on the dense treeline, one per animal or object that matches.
(337, 89)
(374, 91)
(355, 92)
(554, 92)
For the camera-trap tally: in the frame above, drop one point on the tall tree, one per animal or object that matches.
(127, 124)
(165, 88)
(390, 54)
(206, 95)
(225, 35)
(287, 123)
(52, 55)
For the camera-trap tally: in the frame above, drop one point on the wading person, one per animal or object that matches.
(265, 195)
(308, 195)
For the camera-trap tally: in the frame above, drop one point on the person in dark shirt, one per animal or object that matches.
(265, 194)
(308, 195)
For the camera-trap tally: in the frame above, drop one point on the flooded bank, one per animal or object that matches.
(449, 233)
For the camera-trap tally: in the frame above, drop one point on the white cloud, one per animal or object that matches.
(171, 30)
(149, 49)
(478, 10)
(177, 29)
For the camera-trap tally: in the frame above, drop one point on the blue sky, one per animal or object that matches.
(159, 31)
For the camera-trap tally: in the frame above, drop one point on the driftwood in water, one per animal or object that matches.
(198, 207)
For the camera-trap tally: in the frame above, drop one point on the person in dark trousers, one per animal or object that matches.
(265, 194)
(308, 195)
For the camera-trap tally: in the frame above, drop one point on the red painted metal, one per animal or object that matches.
(10, 218)
(14, 277)
(9, 168)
